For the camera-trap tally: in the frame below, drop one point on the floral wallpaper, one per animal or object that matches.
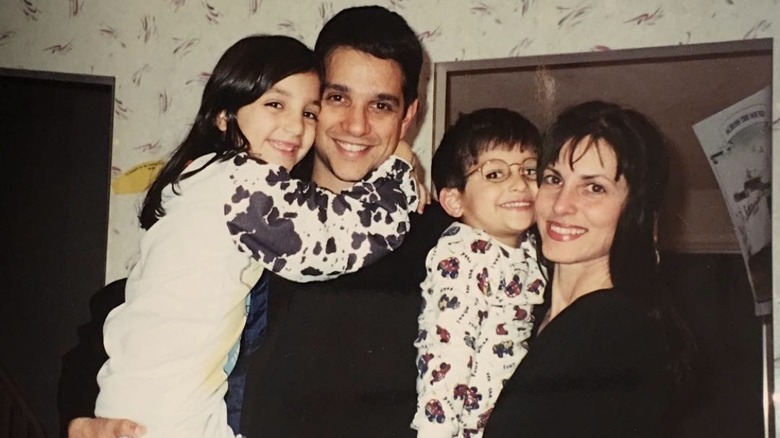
(161, 52)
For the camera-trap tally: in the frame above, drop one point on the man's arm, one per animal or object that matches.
(104, 428)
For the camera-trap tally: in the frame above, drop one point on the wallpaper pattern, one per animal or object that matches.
(161, 51)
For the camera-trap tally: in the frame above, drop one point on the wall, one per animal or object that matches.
(161, 52)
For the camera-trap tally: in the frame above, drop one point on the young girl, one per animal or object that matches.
(222, 210)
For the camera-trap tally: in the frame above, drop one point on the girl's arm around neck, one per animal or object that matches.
(305, 233)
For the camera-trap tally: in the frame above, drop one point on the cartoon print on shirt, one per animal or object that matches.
(439, 374)
(483, 283)
(477, 300)
(514, 288)
(521, 314)
(444, 335)
(449, 267)
(434, 411)
(422, 364)
(446, 302)
(503, 348)
(469, 395)
(480, 246)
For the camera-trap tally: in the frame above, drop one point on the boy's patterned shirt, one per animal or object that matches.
(476, 318)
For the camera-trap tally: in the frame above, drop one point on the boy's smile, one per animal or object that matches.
(503, 209)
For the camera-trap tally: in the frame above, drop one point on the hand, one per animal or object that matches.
(422, 190)
(404, 151)
(104, 428)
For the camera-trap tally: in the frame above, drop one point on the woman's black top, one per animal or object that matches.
(598, 369)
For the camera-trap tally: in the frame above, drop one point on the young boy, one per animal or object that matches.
(482, 276)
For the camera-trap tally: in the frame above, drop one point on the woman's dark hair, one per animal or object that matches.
(244, 72)
(641, 152)
(475, 133)
(378, 32)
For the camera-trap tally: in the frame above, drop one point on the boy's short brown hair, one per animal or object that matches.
(475, 133)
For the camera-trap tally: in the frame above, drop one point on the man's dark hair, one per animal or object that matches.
(378, 32)
(475, 133)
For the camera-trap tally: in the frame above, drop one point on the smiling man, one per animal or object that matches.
(370, 93)
(338, 356)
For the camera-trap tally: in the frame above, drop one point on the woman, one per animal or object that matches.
(602, 362)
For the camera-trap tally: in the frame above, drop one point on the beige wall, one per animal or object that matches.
(160, 51)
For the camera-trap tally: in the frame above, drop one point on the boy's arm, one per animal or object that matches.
(449, 329)
(305, 233)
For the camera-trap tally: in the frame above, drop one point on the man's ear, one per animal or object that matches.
(450, 200)
(411, 111)
(221, 121)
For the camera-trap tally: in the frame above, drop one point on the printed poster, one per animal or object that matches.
(738, 144)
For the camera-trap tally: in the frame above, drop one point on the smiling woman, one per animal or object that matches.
(579, 203)
(677, 86)
(606, 358)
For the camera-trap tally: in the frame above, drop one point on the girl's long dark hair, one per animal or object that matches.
(642, 158)
(245, 71)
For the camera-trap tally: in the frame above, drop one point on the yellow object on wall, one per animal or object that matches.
(137, 179)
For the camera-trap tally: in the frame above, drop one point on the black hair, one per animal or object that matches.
(378, 32)
(246, 70)
(475, 133)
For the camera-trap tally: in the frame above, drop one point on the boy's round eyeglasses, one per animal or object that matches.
(497, 170)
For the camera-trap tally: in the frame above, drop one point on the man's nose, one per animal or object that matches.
(356, 122)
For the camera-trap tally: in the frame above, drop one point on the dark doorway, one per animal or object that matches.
(56, 132)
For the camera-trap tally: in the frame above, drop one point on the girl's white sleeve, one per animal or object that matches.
(305, 233)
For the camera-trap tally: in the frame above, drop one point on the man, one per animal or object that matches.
(338, 358)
